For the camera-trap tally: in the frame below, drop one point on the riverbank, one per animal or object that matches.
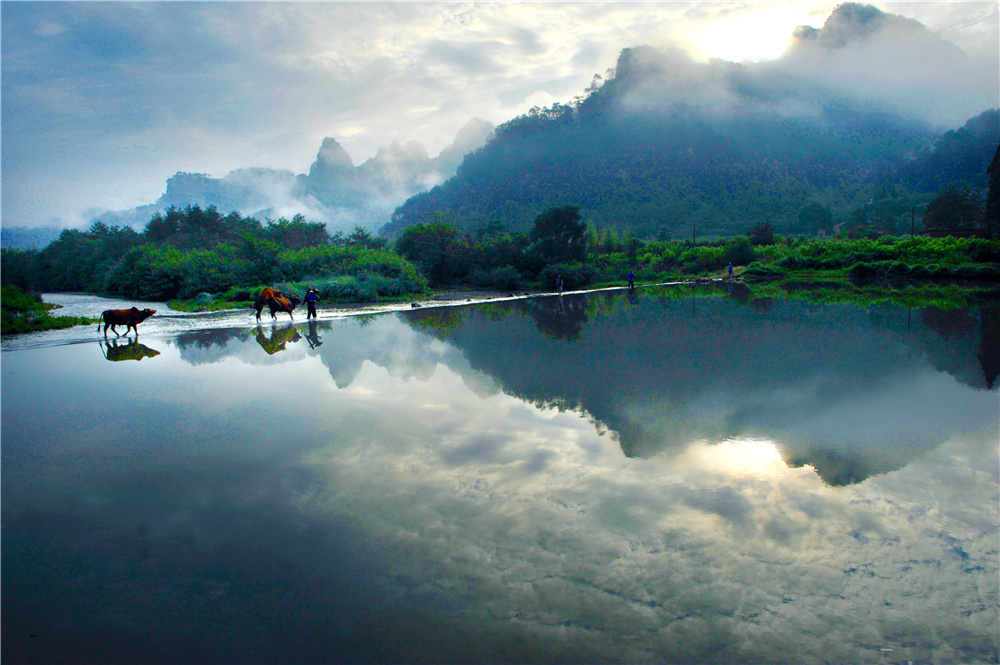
(828, 289)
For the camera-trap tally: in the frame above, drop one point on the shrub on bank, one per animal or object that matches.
(575, 276)
(21, 312)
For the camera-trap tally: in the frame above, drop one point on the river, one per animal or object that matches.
(608, 477)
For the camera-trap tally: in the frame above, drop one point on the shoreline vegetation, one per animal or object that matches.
(27, 313)
(199, 260)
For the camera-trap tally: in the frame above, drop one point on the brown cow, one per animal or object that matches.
(130, 318)
(276, 302)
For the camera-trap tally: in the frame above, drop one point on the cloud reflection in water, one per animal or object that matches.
(541, 525)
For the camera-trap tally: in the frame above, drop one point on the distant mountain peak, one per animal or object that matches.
(332, 155)
(854, 23)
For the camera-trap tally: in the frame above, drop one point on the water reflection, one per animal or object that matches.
(130, 349)
(278, 338)
(458, 492)
(849, 391)
(313, 336)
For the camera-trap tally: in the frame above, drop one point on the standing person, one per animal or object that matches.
(631, 280)
(311, 298)
(559, 284)
(730, 270)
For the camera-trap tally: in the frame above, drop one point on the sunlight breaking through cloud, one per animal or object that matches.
(533, 511)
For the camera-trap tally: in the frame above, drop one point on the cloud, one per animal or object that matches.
(522, 521)
(621, 557)
(897, 62)
(102, 102)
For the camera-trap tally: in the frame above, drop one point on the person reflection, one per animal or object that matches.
(313, 336)
(556, 317)
(632, 298)
(117, 350)
(989, 343)
(279, 337)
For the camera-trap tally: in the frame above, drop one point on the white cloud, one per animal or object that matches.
(145, 90)
(541, 528)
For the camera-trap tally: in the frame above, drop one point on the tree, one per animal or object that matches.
(433, 248)
(991, 215)
(813, 217)
(297, 233)
(362, 236)
(762, 233)
(954, 210)
(559, 235)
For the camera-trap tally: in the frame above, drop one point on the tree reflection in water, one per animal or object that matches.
(806, 376)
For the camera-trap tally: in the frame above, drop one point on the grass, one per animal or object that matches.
(21, 312)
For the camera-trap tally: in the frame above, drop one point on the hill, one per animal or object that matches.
(665, 143)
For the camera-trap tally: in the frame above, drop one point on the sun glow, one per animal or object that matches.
(760, 36)
(743, 457)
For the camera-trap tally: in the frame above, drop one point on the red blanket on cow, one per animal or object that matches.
(276, 301)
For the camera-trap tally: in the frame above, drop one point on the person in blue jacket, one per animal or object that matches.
(311, 298)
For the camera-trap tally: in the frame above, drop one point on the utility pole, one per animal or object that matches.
(913, 219)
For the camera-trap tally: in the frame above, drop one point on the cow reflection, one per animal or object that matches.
(279, 337)
(131, 349)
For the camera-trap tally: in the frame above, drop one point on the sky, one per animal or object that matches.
(101, 102)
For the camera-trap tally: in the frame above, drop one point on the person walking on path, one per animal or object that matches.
(311, 298)
(631, 280)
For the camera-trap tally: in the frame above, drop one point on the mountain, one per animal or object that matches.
(959, 157)
(27, 237)
(334, 191)
(666, 142)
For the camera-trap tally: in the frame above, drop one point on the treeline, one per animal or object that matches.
(183, 253)
(561, 243)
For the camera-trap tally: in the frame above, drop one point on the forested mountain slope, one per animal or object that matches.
(666, 143)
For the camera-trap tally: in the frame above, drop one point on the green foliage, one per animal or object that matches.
(16, 300)
(954, 210)
(558, 234)
(575, 275)
(762, 233)
(187, 255)
(21, 313)
(434, 247)
(297, 232)
(739, 253)
(991, 213)
(655, 173)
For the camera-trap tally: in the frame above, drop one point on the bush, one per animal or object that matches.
(575, 275)
(739, 253)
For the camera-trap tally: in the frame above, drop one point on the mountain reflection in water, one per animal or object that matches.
(847, 390)
(607, 477)
(851, 392)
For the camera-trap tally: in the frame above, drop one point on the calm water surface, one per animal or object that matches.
(590, 478)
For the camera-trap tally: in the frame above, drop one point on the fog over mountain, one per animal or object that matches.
(665, 141)
(661, 136)
(334, 191)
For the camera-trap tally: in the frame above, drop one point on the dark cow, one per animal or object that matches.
(130, 318)
(276, 301)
